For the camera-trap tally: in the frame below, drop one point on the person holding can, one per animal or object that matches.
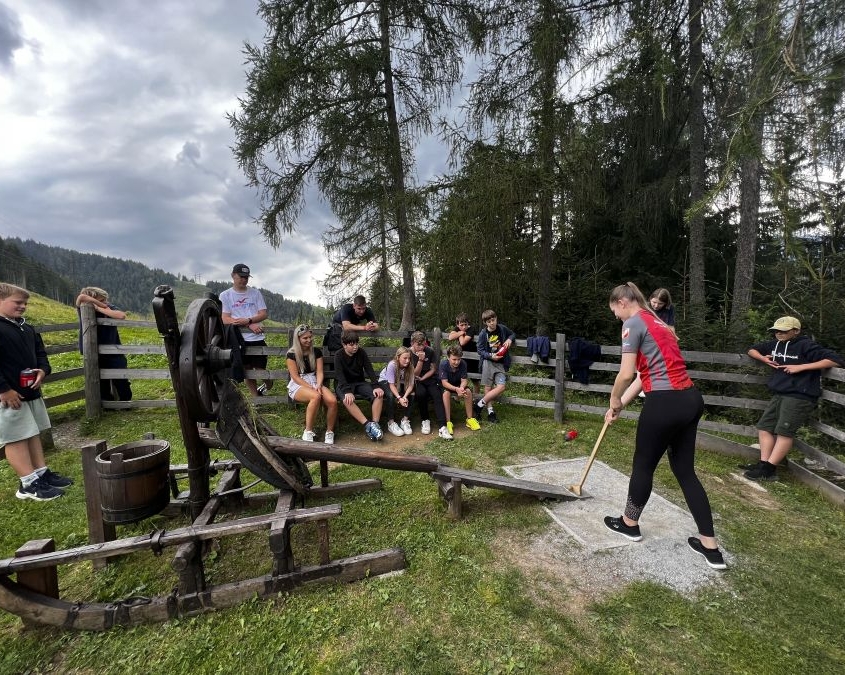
(23, 415)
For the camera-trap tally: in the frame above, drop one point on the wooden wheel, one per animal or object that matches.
(202, 360)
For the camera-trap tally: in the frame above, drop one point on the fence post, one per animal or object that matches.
(90, 360)
(560, 377)
(436, 340)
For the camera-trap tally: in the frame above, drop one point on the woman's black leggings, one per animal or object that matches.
(669, 420)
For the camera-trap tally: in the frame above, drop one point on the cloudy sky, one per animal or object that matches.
(114, 140)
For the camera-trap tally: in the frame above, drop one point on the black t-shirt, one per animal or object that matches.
(428, 359)
(347, 313)
(310, 363)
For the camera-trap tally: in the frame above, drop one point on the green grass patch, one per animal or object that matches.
(459, 607)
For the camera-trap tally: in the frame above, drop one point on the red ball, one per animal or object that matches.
(571, 435)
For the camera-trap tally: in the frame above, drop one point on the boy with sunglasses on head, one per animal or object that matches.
(352, 370)
(795, 382)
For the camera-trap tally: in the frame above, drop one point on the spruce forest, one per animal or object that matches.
(687, 145)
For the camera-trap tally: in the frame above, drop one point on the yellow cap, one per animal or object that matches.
(786, 323)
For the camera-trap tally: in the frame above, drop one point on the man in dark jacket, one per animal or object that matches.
(23, 415)
(795, 382)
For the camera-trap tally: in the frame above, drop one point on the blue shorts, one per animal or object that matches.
(26, 422)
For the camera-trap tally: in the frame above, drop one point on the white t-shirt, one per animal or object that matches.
(243, 305)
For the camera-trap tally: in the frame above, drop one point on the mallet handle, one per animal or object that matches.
(592, 457)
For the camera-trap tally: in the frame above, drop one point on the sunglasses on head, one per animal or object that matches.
(303, 328)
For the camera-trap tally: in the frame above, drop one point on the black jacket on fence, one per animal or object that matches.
(582, 354)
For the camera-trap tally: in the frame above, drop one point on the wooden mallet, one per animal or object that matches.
(576, 489)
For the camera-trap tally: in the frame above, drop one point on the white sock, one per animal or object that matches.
(28, 480)
(481, 404)
(41, 471)
(489, 408)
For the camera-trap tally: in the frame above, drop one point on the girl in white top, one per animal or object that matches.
(305, 366)
(397, 380)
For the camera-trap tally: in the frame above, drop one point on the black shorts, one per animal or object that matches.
(256, 360)
(361, 390)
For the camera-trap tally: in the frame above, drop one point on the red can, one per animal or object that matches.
(28, 377)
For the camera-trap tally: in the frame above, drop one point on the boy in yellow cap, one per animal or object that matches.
(795, 382)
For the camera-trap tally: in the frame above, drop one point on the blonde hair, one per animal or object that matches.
(8, 290)
(96, 293)
(299, 356)
(408, 376)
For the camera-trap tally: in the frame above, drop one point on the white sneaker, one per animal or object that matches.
(329, 438)
(395, 429)
(406, 426)
(444, 433)
(426, 427)
(308, 435)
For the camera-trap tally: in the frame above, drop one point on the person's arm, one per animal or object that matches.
(341, 375)
(319, 371)
(792, 369)
(432, 369)
(757, 355)
(102, 307)
(483, 345)
(509, 335)
(624, 378)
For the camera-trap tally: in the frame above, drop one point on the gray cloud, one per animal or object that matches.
(10, 35)
(115, 139)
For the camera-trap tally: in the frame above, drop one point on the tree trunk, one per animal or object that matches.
(749, 187)
(696, 317)
(397, 177)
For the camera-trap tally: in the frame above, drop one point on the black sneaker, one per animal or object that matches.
(713, 556)
(749, 466)
(492, 417)
(763, 471)
(39, 491)
(56, 480)
(618, 525)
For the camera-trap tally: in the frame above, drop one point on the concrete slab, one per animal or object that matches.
(662, 556)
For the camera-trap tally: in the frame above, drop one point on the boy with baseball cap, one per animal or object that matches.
(244, 306)
(795, 382)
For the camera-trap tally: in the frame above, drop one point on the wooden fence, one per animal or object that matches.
(730, 383)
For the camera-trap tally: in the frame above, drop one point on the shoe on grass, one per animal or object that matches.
(444, 433)
(374, 431)
(492, 417)
(395, 429)
(472, 424)
(55, 480)
(405, 424)
(749, 466)
(426, 426)
(38, 491)
(450, 427)
(713, 556)
(763, 471)
(618, 525)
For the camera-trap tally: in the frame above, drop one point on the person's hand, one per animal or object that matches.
(348, 399)
(403, 401)
(10, 399)
(792, 369)
(39, 378)
(611, 415)
(378, 392)
(773, 364)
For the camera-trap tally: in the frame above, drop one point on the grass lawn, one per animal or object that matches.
(460, 607)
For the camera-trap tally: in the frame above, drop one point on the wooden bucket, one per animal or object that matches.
(133, 480)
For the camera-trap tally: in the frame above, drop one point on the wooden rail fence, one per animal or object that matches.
(730, 382)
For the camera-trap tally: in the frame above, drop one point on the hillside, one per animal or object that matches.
(59, 273)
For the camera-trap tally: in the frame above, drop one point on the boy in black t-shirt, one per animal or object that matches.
(352, 370)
